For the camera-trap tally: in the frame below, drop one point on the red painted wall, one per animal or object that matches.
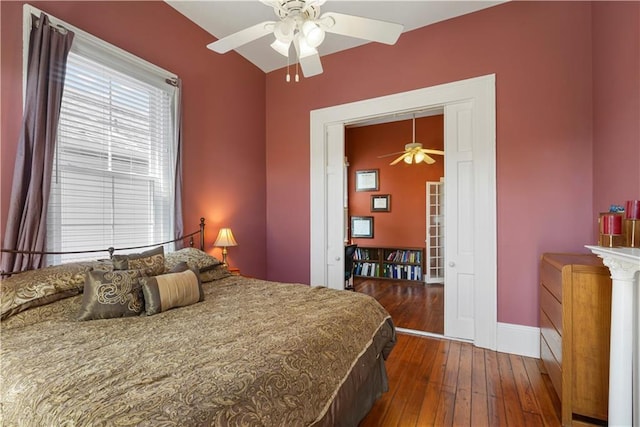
(224, 158)
(541, 55)
(405, 224)
(616, 103)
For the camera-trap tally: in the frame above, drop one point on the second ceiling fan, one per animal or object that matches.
(413, 152)
(302, 25)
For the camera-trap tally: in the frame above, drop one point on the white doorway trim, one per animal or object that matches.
(480, 91)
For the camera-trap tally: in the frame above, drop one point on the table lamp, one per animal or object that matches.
(225, 239)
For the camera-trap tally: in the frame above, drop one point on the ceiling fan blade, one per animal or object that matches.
(242, 37)
(362, 28)
(309, 59)
(428, 160)
(426, 150)
(311, 65)
(399, 159)
(391, 154)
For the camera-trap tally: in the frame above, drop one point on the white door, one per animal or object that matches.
(434, 268)
(335, 203)
(459, 288)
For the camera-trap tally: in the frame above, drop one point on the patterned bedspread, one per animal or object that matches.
(252, 353)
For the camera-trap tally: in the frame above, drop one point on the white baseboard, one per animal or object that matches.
(518, 339)
(514, 339)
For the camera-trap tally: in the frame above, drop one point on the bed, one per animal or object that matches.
(248, 352)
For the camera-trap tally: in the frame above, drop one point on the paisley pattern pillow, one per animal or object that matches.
(109, 294)
(38, 287)
(216, 273)
(151, 261)
(195, 258)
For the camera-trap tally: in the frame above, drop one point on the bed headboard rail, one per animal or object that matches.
(112, 250)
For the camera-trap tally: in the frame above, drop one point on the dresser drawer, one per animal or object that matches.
(551, 278)
(552, 308)
(551, 336)
(553, 367)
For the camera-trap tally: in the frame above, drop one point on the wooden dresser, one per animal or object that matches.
(575, 319)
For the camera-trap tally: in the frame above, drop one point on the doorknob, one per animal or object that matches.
(337, 258)
(452, 264)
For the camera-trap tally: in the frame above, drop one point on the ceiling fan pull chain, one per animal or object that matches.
(288, 78)
(297, 76)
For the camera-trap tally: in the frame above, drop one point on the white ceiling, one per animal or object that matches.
(221, 18)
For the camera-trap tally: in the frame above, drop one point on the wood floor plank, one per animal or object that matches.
(462, 407)
(548, 410)
(431, 397)
(495, 402)
(446, 403)
(528, 401)
(429, 405)
(497, 413)
(413, 406)
(479, 396)
(479, 409)
(512, 406)
(478, 372)
(494, 386)
(408, 380)
(453, 365)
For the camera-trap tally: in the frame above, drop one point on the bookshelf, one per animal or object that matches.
(389, 263)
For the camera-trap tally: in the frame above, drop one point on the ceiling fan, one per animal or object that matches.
(301, 24)
(413, 152)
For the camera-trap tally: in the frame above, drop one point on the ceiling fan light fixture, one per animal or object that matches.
(419, 157)
(284, 30)
(313, 34)
(281, 47)
(408, 159)
(304, 49)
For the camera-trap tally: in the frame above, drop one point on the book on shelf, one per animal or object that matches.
(406, 256)
(370, 269)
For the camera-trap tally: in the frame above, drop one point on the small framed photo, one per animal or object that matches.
(381, 203)
(362, 226)
(367, 180)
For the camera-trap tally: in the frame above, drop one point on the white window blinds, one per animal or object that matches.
(113, 174)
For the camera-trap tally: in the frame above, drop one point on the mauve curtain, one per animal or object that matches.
(178, 229)
(26, 225)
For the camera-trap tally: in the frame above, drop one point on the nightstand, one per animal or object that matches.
(234, 270)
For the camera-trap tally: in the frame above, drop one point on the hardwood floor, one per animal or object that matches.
(411, 305)
(438, 382)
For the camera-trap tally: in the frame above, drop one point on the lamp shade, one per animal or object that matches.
(225, 238)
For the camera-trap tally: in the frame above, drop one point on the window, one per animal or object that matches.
(114, 166)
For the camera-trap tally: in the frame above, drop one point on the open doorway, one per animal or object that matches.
(393, 264)
(470, 123)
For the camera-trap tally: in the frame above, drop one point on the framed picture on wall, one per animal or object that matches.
(381, 203)
(362, 226)
(367, 180)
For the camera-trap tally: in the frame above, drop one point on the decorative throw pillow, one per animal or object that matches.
(215, 273)
(39, 287)
(172, 290)
(109, 294)
(193, 257)
(151, 261)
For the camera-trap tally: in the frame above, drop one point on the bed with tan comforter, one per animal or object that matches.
(252, 353)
